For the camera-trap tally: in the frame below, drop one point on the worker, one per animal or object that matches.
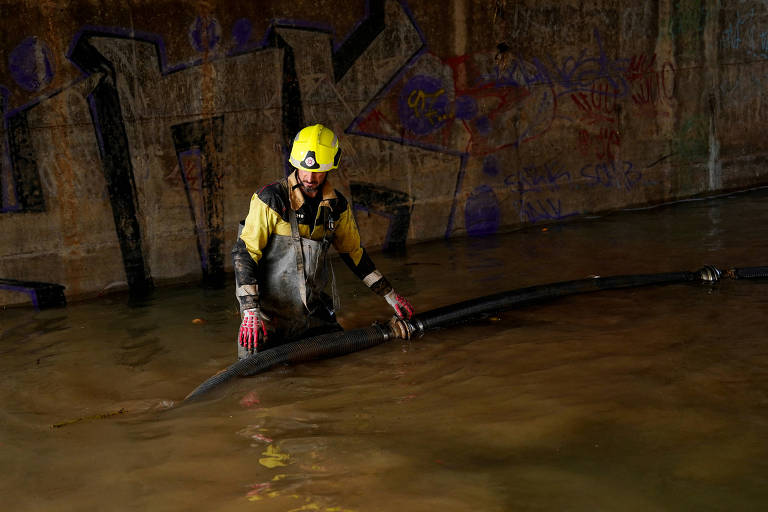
(280, 257)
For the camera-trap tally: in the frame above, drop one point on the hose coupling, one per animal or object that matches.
(385, 329)
(710, 274)
(401, 328)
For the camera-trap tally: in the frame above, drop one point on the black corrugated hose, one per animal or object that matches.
(493, 303)
(345, 342)
(317, 347)
(749, 273)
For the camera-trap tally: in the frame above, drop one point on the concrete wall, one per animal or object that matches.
(134, 133)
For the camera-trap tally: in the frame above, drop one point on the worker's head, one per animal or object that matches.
(315, 151)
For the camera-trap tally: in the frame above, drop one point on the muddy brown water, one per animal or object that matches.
(644, 399)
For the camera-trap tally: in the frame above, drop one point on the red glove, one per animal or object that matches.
(400, 304)
(252, 330)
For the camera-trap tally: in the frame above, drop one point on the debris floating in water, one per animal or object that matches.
(87, 418)
(130, 406)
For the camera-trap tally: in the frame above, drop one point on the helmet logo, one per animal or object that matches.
(309, 161)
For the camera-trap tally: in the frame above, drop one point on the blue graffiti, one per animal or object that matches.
(204, 34)
(744, 35)
(534, 178)
(571, 74)
(31, 64)
(623, 175)
(550, 176)
(543, 210)
(547, 177)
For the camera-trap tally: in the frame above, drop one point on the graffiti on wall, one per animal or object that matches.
(481, 105)
(198, 146)
(743, 39)
(748, 33)
(546, 180)
(651, 83)
(479, 110)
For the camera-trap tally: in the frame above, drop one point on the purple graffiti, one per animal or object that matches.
(204, 34)
(570, 74)
(612, 175)
(465, 108)
(31, 64)
(482, 215)
(491, 165)
(423, 105)
(483, 125)
(241, 32)
(533, 178)
(543, 210)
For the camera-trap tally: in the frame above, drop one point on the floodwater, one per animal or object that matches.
(634, 400)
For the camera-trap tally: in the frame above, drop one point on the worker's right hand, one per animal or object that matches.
(252, 329)
(400, 304)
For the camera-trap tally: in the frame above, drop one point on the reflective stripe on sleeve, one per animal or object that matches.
(372, 278)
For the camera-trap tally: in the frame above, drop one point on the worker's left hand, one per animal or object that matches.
(400, 304)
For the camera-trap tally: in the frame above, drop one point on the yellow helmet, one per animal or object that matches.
(315, 148)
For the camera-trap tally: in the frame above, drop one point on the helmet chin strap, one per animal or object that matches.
(298, 181)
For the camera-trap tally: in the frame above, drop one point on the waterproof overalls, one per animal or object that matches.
(281, 259)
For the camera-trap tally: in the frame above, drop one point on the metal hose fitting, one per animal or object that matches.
(710, 274)
(401, 327)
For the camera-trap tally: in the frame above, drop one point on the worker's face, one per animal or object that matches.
(310, 181)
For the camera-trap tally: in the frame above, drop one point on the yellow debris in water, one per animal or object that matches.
(273, 458)
(198, 321)
(307, 507)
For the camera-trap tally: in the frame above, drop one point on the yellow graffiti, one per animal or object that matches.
(418, 102)
(273, 457)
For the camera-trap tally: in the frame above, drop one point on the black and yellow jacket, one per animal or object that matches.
(268, 215)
